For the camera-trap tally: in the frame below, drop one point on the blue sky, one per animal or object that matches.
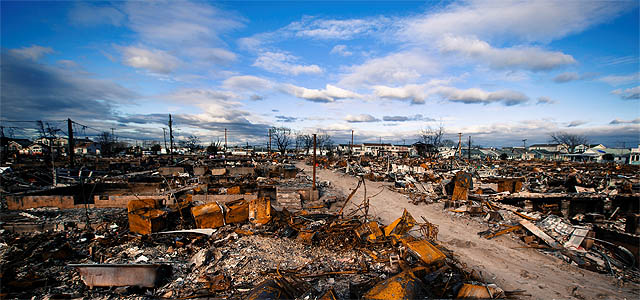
(500, 71)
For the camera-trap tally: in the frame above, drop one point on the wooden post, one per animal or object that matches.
(71, 143)
(314, 162)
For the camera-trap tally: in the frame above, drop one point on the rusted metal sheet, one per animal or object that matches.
(143, 275)
(147, 222)
(237, 212)
(402, 286)
(218, 172)
(144, 217)
(233, 190)
(462, 183)
(260, 211)
(512, 185)
(329, 295)
(210, 215)
(472, 291)
(269, 289)
(425, 251)
(369, 231)
(400, 226)
(306, 237)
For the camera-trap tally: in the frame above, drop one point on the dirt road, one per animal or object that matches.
(500, 260)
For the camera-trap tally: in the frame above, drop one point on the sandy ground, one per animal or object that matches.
(501, 260)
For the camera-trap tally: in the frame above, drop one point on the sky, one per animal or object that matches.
(498, 71)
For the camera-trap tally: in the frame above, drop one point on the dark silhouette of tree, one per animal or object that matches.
(571, 141)
(282, 137)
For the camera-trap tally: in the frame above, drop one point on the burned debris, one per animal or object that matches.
(232, 228)
(257, 227)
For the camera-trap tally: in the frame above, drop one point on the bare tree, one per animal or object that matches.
(106, 143)
(49, 133)
(571, 141)
(282, 136)
(306, 141)
(323, 141)
(192, 143)
(214, 147)
(431, 139)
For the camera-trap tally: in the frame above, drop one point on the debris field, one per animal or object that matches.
(259, 228)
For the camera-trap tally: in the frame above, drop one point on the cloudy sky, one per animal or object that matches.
(500, 71)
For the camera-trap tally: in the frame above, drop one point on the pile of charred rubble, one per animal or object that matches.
(252, 228)
(586, 214)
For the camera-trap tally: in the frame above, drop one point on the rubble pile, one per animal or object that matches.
(223, 229)
(585, 213)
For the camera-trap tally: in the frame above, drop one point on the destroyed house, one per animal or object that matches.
(547, 155)
(87, 147)
(619, 156)
(550, 147)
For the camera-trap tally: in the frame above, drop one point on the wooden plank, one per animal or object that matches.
(541, 234)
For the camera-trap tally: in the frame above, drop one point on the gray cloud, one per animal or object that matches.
(33, 91)
(473, 96)
(545, 100)
(628, 94)
(620, 121)
(286, 119)
(238, 129)
(93, 14)
(34, 52)
(417, 117)
(566, 77)
(362, 118)
(576, 123)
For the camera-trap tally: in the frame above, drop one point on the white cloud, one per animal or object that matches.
(545, 100)
(341, 50)
(362, 118)
(329, 94)
(317, 28)
(34, 52)
(620, 121)
(529, 58)
(414, 92)
(212, 55)
(472, 96)
(181, 23)
(397, 68)
(628, 94)
(566, 77)
(87, 14)
(620, 79)
(155, 61)
(530, 21)
(246, 83)
(283, 63)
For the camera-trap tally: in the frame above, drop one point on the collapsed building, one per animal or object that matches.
(258, 228)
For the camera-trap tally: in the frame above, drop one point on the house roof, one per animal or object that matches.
(544, 145)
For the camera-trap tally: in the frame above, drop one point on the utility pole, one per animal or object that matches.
(170, 137)
(225, 140)
(314, 162)
(71, 143)
(459, 144)
(469, 154)
(351, 147)
(269, 142)
(113, 140)
(4, 142)
(164, 134)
